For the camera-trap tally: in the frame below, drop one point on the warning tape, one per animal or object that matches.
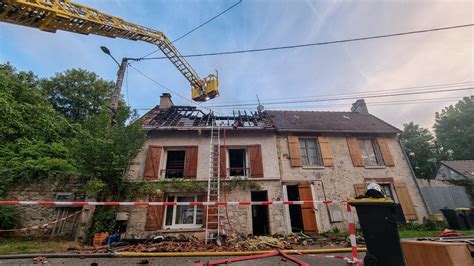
(350, 220)
(40, 226)
(161, 203)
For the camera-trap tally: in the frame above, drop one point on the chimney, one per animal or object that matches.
(165, 101)
(359, 107)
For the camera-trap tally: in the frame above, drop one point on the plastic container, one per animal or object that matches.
(457, 218)
(100, 239)
(379, 219)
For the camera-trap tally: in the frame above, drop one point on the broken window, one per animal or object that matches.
(370, 152)
(310, 153)
(238, 162)
(184, 216)
(175, 164)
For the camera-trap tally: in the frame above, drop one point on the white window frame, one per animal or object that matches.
(165, 161)
(375, 148)
(175, 207)
(247, 160)
(316, 140)
(392, 190)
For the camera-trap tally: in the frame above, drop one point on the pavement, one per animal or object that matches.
(316, 259)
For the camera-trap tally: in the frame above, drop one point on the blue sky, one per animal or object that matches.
(391, 63)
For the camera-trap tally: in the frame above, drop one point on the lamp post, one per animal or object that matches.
(118, 84)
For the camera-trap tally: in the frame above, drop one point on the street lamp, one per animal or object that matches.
(118, 84)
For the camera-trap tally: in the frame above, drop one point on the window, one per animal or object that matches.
(387, 190)
(238, 162)
(310, 153)
(370, 152)
(174, 164)
(184, 216)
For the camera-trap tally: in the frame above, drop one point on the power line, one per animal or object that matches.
(348, 98)
(194, 29)
(319, 43)
(412, 88)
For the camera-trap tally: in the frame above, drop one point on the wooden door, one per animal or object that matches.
(307, 210)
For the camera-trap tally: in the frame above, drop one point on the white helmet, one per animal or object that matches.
(374, 186)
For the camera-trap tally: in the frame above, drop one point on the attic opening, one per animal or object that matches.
(175, 164)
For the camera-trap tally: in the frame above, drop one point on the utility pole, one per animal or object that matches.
(118, 85)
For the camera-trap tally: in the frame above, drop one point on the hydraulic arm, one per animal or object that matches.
(53, 15)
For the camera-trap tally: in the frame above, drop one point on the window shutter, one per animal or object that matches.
(256, 164)
(294, 148)
(326, 152)
(307, 211)
(386, 154)
(154, 214)
(354, 150)
(405, 200)
(191, 162)
(152, 163)
(360, 189)
(223, 161)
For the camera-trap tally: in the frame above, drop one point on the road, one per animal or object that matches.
(168, 261)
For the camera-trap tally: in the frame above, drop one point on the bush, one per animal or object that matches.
(10, 217)
(103, 221)
(427, 225)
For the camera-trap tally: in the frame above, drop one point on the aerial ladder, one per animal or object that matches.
(53, 15)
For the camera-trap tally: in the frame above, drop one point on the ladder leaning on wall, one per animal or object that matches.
(214, 213)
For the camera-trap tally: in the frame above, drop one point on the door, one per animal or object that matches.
(307, 210)
(296, 219)
(260, 223)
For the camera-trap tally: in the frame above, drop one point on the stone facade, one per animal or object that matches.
(337, 182)
(50, 190)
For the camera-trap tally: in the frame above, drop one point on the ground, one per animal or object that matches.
(311, 259)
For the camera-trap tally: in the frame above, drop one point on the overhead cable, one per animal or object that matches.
(318, 43)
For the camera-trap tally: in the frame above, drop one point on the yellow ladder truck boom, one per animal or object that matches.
(53, 15)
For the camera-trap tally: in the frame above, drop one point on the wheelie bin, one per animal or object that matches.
(457, 218)
(379, 219)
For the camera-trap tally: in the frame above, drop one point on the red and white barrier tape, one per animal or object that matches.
(40, 226)
(158, 203)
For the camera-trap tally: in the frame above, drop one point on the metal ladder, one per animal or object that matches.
(214, 213)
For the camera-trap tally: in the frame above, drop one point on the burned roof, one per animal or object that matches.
(463, 167)
(190, 117)
(316, 121)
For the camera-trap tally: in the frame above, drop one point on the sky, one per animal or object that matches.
(396, 63)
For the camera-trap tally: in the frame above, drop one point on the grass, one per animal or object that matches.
(20, 246)
(427, 233)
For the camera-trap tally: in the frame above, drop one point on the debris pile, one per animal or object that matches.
(234, 242)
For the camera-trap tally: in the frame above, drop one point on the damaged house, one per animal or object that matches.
(273, 156)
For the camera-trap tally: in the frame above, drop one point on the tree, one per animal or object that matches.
(77, 93)
(33, 136)
(454, 128)
(419, 145)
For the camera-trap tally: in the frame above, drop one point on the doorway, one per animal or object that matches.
(296, 219)
(260, 223)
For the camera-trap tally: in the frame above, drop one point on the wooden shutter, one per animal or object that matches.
(360, 189)
(405, 200)
(326, 152)
(294, 148)
(152, 163)
(191, 162)
(354, 150)
(223, 161)
(154, 214)
(256, 163)
(307, 211)
(386, 154)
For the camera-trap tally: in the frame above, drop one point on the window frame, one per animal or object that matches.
(376, 150)
(318, 147)
(173, 225)
(247, 161)
(165, 162)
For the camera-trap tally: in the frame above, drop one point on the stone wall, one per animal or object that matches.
(47, 190)
(337, 182)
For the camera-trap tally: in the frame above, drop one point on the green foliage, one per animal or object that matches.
(77, 94)
(419, 145)
(10, 217)
(93, 187)
(241, 183)
(454, 129)
(103, 221)
(427, 225)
